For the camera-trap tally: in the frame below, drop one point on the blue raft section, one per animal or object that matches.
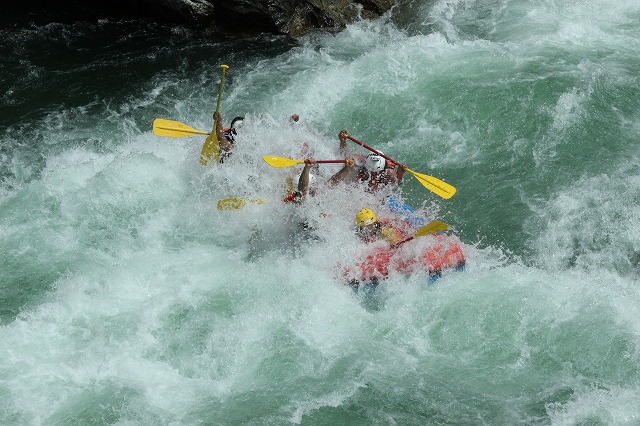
(405, 212)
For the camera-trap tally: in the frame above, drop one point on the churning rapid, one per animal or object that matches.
(127, 297)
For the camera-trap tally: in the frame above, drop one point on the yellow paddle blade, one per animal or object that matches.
(435, 185)
(174, 129)
(274, 161)
(236, 203)
(432, 227)
(210, 148)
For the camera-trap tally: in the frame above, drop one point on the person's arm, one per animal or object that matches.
(400, 173)
(303, 184)
(343, 142)
(223, 142)
(342, 174)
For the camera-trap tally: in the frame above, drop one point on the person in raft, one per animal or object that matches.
(304, 183)
(376, 172)
(370, 229)
(226, 136)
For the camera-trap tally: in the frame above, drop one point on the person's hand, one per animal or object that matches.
(216, 115)
(343, 136)
(349, 162)
(309, 162)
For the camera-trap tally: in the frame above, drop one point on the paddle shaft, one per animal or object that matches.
(371, 149)
(224, 71)
(275, 161)
(398, 244)
(432, 227)
(326, 161)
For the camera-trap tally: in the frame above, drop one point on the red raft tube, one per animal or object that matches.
(431, 255)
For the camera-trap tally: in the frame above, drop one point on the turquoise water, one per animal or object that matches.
(128, 298)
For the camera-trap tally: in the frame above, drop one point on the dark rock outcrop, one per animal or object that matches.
(292, 17)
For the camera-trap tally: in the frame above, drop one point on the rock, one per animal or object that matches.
(292, 17)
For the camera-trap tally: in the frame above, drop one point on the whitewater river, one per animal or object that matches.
(128, 298)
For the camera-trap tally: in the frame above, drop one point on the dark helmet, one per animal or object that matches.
(236, 123)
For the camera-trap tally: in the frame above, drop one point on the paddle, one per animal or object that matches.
(236, 203)
(432, 227)
(435, 185)
(211, 147)
(174, 129)
(275, 161)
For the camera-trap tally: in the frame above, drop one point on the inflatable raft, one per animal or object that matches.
(431, 256)
(404, 211)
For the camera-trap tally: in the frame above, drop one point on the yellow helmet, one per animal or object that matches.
(365, 217)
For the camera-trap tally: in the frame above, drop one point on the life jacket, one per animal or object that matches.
(374, 181)
(386, 231)
(391, 234)
(230, 134)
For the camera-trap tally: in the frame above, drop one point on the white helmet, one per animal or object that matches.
(374, 163)
(296, 181)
